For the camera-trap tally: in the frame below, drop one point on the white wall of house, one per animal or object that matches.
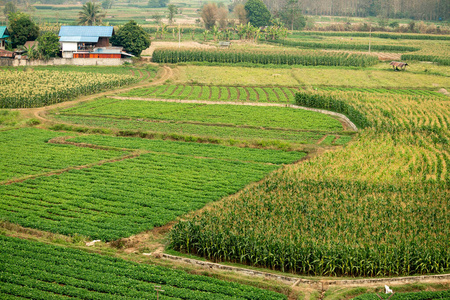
(68, 49)
(2, 44)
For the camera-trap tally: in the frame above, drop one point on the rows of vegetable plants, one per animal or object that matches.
(40, 88)
(379, 207)
(345, 46)
(196, 132)
(306, 58)
(227, 93)
(234, 115)
(194, 149)
(115, 200)
(40, 271)
(26, 151)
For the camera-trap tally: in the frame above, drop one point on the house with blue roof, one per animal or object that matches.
(88, 42)
(3, 35)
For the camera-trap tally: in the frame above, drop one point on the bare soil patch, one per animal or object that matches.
(188, 44)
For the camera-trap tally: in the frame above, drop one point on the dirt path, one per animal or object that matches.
(39, 112)
(347, 124)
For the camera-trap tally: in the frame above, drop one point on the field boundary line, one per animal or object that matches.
(342, 117)
(296, 280)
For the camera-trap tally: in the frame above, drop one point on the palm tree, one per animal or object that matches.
(90, 14)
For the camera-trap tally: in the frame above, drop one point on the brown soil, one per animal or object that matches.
(188, 44)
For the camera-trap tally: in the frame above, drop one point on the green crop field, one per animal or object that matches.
(44, 87)
(39, 271)
(227, 93)
(117, 199)
(27, 152)
(193, 132)
(379, 207)
(269, 117)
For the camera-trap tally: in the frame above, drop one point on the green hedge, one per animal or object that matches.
(285, 58)
(444, 61)
(329, 103)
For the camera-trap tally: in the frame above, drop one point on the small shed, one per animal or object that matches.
(3, 35)
(80, 41)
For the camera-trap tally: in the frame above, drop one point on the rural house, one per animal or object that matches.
(3, 35)
(88, 42)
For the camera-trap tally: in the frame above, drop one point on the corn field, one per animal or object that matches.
(306, 58)
(40, 88)
(379, 207)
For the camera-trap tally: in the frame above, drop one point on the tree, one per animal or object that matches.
(257, 13)
(209, 15)
(48, 45)
(90, 14)
(9, 8)
(291, 15)
(157, 3)
(222, 17)
(22, 29)
(240, 13)
(172, 11)
(132, 38)
(107, 4)
(157, 17)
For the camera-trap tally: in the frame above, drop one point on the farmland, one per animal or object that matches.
(268, 117)
(397, 171)
(117, 199)
(41, 88)
(239, 177)
(40, 271)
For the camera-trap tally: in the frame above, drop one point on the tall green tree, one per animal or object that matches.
(291, 15)
(9, 8)
(257, 13)
(172, 11)
(22, 29)
(48, 45)
(90, 14)
(132, 38)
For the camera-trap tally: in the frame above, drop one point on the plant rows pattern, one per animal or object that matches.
(306, 58)
(379, 207)
(249, 116)
(40, 88)
(121, 198)
(39, 271)
(227, 93)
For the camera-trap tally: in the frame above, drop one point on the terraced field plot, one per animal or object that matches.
(269, 117)
(125, 197)
(217, 93)
(26, 151)
(33, 269)
(197, 132)
(379, 207)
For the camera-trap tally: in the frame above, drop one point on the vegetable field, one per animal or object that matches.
(379, 207)
(27, 152)
(226, 115)
(40, 88)
(39, 271)
(125, 197)
(217, 93)
(194, 132)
